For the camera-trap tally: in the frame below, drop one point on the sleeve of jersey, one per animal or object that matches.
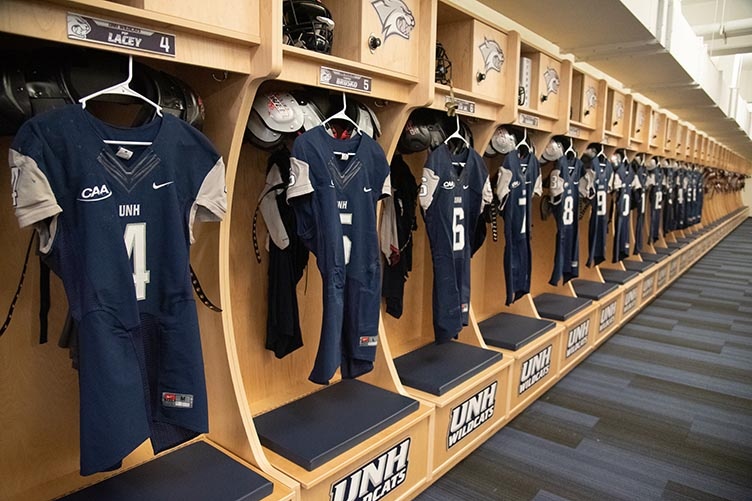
(428, 184)
(33, 198)
(538, 186)
(557, 187)
(487, 195)
(211, 199)
(270, 210)
(388, 238)
(33, 195)
(587, 183)
(502, 185)
(300, 178)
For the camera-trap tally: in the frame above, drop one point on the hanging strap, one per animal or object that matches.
(255, 218)
(18, 289)
(44, 299)
(201, 294)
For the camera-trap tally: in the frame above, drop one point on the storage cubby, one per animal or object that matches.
(544, 90)
(669, 143)
(448, 376)
(41, 461)
(382, 34)
(639, 126)
(680, 142)
(238, 19)
(588, 100)
(277, 390)
(657, 140)
(618, 110)
(484, 59)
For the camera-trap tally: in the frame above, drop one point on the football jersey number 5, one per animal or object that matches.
(135, 245)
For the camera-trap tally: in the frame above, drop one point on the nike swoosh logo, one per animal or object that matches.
(158, 186)
(367, 189)
(465, 186)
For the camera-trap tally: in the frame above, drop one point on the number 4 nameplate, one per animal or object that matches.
(95, 30)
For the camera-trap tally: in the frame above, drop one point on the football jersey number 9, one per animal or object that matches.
(601, 202)
(135, 245)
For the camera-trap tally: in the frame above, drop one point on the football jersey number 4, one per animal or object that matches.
(135, 245)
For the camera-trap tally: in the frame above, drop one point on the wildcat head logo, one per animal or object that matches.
(619, 110)
(591, 98)
(395, 17)
(551, 76)
(493, 56)
(78, 27)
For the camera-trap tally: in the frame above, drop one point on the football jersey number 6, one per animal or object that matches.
(458, 229)
(135, 245)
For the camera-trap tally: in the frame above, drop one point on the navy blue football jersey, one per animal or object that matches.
(334, 187)
(564, 193)
(656, 182)
(700, 196)
(600, 181)
(625, 181)
(453, 192)
(669, 192)
(681, 199)
(115, 224)
(519, 179)
(640, 205)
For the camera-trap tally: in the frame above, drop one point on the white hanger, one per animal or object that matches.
(601, 153)
(570, 149)
(456, 134)
(341, 115)
(523, 141)
(124, 89)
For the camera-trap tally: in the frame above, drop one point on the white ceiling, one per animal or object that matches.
(607, 35)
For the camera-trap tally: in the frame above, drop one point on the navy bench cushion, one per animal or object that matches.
(558, 307)
(618, 276)
(195, 472)
(512, 332)
(437, 368)
(593, 290)
(320, 426)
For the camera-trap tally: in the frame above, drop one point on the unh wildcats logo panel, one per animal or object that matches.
(493, 56)
(396, 18)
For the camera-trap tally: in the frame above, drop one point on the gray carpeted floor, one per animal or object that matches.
(662, 410)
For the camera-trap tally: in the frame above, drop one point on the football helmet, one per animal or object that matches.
(307, 24)
(273, 115)
(421, 132)
(554, 151)
(502, 142)
(443, 66)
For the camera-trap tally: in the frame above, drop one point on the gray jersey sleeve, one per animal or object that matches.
(428, 185)
(33, 199)
(300, 179)
(556, 188)
(502, 185)
(211, 199)
(269, 209)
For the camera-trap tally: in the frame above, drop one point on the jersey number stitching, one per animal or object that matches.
(458, 229)
(135, 245)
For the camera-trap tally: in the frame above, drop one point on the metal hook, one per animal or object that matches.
(225, 75)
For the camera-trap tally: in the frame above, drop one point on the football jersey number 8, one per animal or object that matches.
(135, 245)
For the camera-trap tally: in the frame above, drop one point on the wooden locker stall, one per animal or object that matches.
(517, 330)
(220, 59)
(464, 382)
(273, 390)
